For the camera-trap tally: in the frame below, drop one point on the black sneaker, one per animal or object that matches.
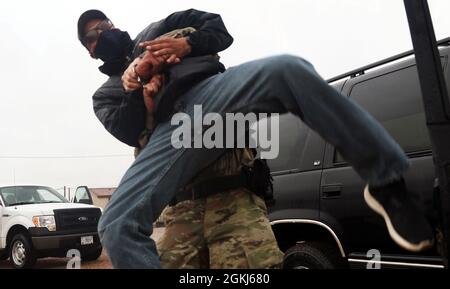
(405, 222)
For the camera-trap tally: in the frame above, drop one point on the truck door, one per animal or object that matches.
(296, 171)
(392, 95)
(83, 196)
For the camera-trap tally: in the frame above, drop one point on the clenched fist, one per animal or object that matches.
(141, 70)
(149, 65)
(130, 79)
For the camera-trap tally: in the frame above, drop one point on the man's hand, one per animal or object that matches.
(149, 66)
(130, 78)
(151, 89)
(173, 49)
(141, 69)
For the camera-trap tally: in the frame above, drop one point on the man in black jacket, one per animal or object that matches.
(124, 115)
(278, 84)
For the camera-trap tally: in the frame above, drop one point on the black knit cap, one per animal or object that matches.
(85, 18)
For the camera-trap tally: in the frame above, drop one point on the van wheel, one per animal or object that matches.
(92, 255)
(312, 256)
(21, 253)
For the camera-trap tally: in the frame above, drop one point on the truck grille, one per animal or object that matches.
(77, 220)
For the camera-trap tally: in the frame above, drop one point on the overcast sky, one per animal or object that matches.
(47, 78)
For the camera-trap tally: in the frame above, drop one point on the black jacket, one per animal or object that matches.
(123, 114)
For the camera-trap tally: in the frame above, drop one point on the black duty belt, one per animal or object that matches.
(210, 187)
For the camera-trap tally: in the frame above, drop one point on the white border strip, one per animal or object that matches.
(398, 263)
(313, 222)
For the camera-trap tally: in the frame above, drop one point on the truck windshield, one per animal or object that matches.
(24, 195)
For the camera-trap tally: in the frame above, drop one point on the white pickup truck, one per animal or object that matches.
(37, 222)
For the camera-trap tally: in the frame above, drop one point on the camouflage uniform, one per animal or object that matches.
(227, 230)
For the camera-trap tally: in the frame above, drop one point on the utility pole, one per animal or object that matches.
(437, 107)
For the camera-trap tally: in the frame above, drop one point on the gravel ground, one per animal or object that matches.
(61, 263)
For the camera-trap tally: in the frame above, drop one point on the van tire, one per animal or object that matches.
(312, 256)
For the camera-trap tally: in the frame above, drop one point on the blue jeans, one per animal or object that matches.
(278, 84)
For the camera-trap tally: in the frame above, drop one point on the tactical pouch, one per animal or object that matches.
(259, 179)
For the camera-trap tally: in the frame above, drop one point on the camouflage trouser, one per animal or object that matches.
(228, 230)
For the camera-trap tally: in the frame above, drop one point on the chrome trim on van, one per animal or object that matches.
(398, 263)
(313, 222)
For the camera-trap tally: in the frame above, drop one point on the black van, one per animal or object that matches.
(319, 216)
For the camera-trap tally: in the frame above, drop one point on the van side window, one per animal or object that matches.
(395, 100)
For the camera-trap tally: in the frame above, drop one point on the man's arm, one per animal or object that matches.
(211, 35)
(122, 114)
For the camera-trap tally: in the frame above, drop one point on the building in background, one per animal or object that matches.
(101, 196)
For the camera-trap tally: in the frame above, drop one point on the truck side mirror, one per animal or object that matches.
(83, 196)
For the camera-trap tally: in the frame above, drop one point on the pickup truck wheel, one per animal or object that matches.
(21, 253)
(92, 255)
(312, 256)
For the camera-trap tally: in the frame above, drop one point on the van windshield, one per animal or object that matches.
(24, 195)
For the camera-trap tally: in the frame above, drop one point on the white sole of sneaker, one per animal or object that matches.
(376, 206)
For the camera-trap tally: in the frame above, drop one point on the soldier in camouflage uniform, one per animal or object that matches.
(226, 230)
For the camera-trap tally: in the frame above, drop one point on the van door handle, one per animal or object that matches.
(331, 191)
